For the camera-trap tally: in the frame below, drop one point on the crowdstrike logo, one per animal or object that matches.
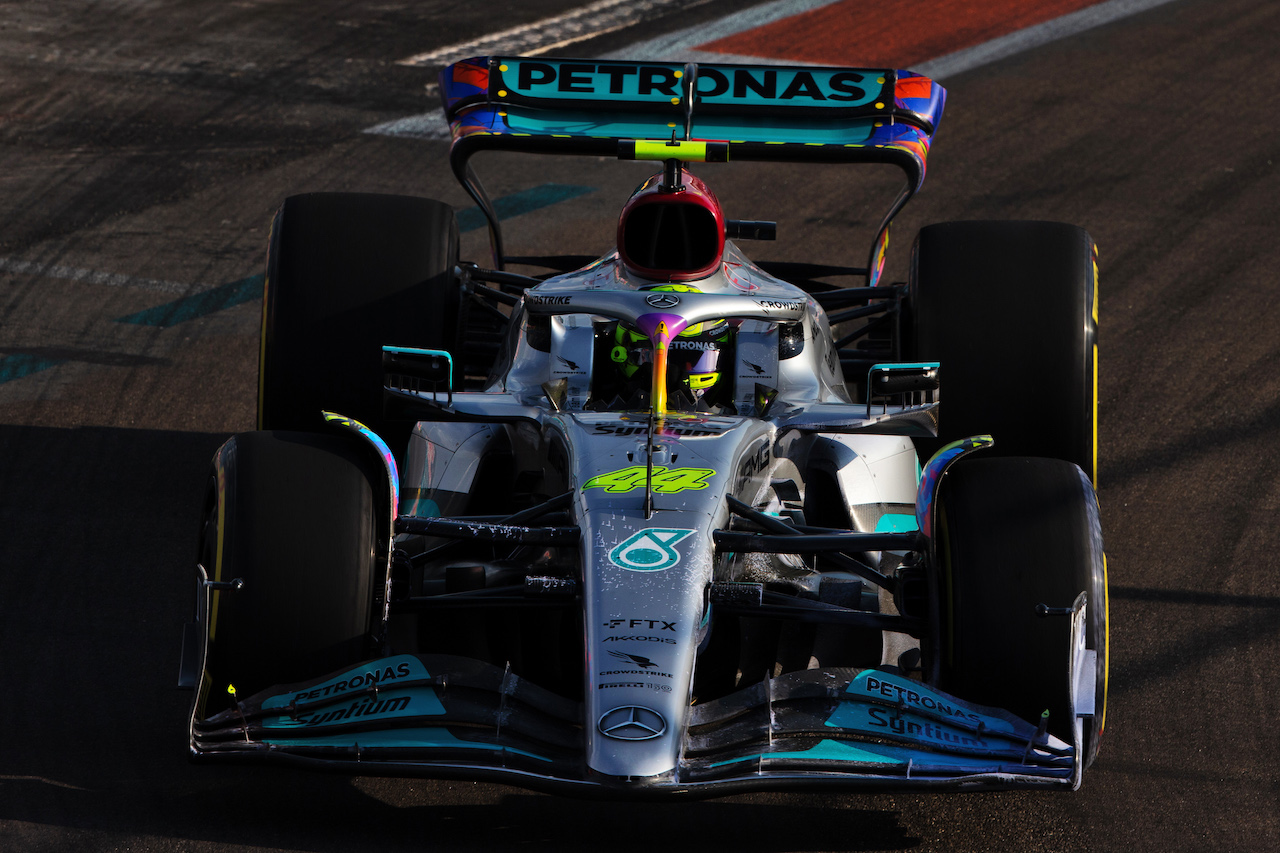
(638, 660)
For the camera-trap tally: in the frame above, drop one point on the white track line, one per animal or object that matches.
(595, 19)
(429, 125)
(108, 279)
(676, 46)
(1032, 37)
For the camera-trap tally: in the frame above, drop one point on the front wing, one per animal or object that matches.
(448, 717)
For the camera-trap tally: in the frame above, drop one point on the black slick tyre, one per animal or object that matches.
(295, 516)
(1010, 310)
(348, 273)
(1016, 533)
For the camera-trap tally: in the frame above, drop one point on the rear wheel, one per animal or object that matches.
(1010, 310)
(346, 274)
(1016, 533)
(295, 517)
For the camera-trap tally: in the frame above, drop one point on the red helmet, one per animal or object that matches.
(672, 235)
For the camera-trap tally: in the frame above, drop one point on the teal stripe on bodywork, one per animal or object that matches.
(400, 738)
(387, 674)
(892, 724)
(875, 754)
(893, 522)
(889, 691)
(826, 750)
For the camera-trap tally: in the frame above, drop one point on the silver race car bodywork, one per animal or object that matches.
(693, 600)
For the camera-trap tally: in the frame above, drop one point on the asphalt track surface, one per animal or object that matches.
(144, 147)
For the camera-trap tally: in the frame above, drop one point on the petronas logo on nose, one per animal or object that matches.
(649, 550)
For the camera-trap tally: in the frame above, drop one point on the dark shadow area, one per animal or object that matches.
(1137, 672)
(1257, 431)
(321, 812)
(98, 549)
(1193, 597)
(99, 542)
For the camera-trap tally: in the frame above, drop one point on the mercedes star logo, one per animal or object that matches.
(631, 722)
(663, 300)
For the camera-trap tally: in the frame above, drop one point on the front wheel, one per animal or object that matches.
(294, 516)
(1016, 533)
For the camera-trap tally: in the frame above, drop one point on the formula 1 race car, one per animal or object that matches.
(665, 521)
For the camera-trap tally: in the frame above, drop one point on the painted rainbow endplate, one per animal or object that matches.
(878, 256)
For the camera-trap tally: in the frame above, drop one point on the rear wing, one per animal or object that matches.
(752, 112)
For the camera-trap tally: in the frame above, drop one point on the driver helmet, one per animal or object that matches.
(695, 357)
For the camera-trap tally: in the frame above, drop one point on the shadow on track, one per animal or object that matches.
(99, 538)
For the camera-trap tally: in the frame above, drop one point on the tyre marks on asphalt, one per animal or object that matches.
(520, 203)
(782, 31)
(192, 306)
(198, 305)
(107, 279)
(20, 364)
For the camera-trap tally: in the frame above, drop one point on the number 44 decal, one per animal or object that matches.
(664, 481)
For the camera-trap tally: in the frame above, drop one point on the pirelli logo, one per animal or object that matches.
(657, 84)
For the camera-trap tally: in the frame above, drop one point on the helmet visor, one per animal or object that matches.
(695, 368)
(691, 364)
